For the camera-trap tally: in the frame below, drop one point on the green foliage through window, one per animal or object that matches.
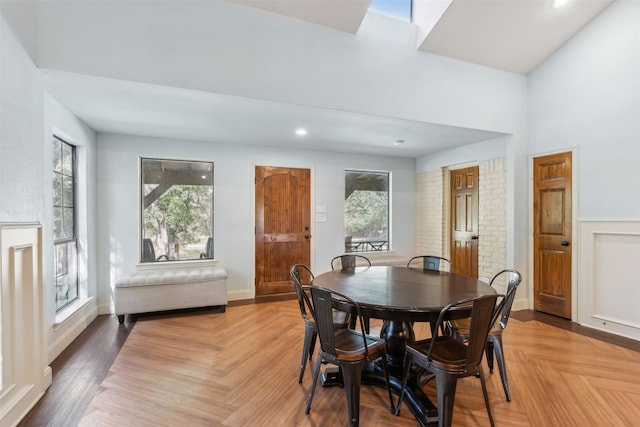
(64, 223)
(177, 210)
(366, 211)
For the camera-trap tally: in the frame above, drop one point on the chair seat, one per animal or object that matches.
(349, 345)
(448, 353)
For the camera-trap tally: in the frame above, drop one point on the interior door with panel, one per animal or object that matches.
(464, 221)
(283, 220)
(552, 234)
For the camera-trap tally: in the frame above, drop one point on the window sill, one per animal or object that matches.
(68, 312)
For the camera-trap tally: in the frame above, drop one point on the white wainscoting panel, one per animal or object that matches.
(608, 278)
(25, 373)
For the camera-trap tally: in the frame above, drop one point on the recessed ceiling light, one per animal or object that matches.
(559, 3)
(301, 131)
(398, 142)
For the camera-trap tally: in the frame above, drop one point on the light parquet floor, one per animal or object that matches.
(240, 368)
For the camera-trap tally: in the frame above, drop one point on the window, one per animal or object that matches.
(366, 211)
(65, 242)
(398, 9)
(177, 210)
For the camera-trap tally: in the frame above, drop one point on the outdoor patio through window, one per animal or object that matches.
(177, 210)
(366, 211)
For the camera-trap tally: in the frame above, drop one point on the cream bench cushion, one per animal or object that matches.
(169, 288)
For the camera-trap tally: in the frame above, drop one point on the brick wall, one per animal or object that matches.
(430, 227)
(492, 246)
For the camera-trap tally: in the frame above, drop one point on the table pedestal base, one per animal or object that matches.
(414, 398)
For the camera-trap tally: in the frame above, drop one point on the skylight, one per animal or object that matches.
(399, 9)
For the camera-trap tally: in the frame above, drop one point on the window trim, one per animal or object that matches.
(67, 240)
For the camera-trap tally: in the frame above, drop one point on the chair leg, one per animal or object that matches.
(307, 350)
(352, 377)
(312, 346)
(497, 346)
(446, 391)
(316, 373)
(486, 395)
(488, 350)
(405, 376)
(385, 366)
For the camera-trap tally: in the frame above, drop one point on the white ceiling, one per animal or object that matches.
(510, 35)
(513, 35)
(108, 105)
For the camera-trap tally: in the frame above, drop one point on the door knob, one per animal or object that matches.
(564, 243)
(306, 236)
(474, 237)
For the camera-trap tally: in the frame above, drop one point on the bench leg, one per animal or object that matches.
(121, 318)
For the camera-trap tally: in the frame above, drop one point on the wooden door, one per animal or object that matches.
(464, 221)
(283, 221)
(552, 234)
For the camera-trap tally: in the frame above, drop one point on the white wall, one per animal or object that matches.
(29, 119)
(65, 326)
(21, 133)
(118, 217)
(587, 97)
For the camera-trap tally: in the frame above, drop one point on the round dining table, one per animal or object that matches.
(401, 296)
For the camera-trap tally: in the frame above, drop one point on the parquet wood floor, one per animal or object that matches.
(240, 368)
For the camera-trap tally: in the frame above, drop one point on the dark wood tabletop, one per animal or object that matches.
(401, 293)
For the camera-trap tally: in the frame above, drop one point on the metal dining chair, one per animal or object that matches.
(432, 262)
(340, 318)
(460, 328)
(341, 262)
(348, 348)
(450, 359)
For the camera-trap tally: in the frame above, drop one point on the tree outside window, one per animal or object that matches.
(177, 206)
(366, 211)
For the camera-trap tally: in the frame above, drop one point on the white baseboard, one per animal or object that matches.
(70, 328)
(239, 295)
(520, 304)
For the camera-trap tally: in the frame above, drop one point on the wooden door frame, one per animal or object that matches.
(252, 278)
(574, 226)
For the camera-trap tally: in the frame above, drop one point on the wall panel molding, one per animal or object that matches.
(608, 282)
(25, 374)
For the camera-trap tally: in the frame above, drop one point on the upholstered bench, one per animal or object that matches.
(169, 287)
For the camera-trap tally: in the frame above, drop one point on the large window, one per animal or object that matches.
(366, 211)
(177, 210)
(65, 244)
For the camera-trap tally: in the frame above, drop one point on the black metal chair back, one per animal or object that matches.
(349, 261)
(513, 278)
(432, 262)
(306, 308)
